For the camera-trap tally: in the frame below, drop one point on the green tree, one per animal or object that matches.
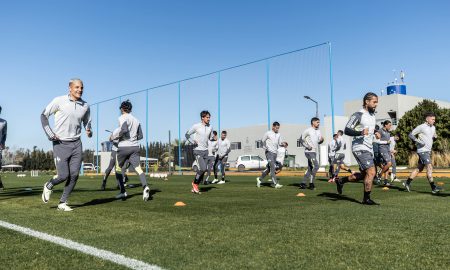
(415, 117)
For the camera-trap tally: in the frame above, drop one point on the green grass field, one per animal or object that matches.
(231, 226)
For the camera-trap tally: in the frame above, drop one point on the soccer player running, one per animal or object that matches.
(385, 153)
(281, 155)
(311, 139)
(331, 153)
(199, 135)
(361, 127)
(393, 151)
(212, 152)
(271, 142)
(3, 131)
(129, 133)
(426, 134)
(224, 148)
(340, 155)
(70, 111)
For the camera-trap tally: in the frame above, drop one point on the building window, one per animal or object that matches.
(259, 144)
(235, 145)
(299, 143)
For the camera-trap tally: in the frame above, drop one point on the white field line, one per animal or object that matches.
(99, 253)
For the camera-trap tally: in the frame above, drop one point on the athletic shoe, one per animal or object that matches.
(331, 180)
(64, 207)
(407, 186)
(269, 180)
(396, 180)
(258, 182)
(339, 185)
(278, 186)
(377, 181)
(436, 190)
(312, 186)
(195, 188)
(146, 193)
(215, 181)
(121, 195)
(46, 194)
(206, 182)
(386, 183)
(302, 186)
(369, 202)
(103, 187)
(221, 182)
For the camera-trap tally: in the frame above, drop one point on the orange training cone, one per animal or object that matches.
(385, 188)
(301, 195)
(179, 204)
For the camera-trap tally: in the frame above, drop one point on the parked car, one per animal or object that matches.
(89, 167)
(195, 166)
(246, 162)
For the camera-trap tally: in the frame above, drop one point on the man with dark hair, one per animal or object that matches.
(426, 134)
(361, 127)
(3, 131)
(331, 154)
(341, 147)
(311, 138)
(199, 135)
(271, 142)
(223, 149)
(384, 151)
(129, 133)
(70, 111)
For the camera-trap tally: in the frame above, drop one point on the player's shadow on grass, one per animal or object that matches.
(206, 189)
(11, 193)
(440, 194)
(109, 200)
(337, 197)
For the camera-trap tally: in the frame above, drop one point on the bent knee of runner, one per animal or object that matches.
(139, 170)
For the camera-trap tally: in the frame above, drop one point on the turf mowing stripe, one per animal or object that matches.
(100, 253)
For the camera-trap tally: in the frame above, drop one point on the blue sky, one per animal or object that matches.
(123, 46)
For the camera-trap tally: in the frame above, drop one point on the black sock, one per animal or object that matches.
(366, 195)
(433, 186)
(409, 181)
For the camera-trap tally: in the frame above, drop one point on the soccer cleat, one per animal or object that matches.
(278, 186)
(195, 188)
(407, 186)
(436, 190)
(46, 194)
(369, 202)
(312, 186)
(302, 186)
(146, 193)
(258, 182)
(339, 185)
(215, 181)
(221, 182)
(64, 207)
(386, 183)
(121, 195)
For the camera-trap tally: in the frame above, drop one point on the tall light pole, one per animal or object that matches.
(317, 105)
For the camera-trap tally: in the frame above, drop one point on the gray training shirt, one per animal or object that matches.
(271, 141)
(129, 131)
(341, 145)
(200, 134)
(357, 123)
(311, 138)
(69, 115)
(383, 142)
(3, 129)
(224, 147)
(426, 134)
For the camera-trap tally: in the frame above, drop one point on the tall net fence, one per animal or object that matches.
(244, 100)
